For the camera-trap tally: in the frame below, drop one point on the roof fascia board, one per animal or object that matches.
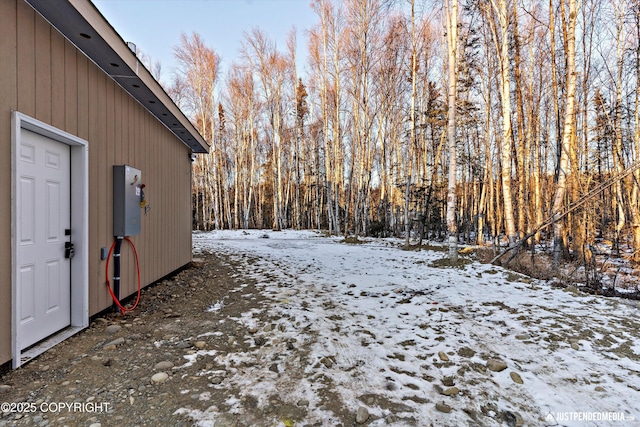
(184, 130)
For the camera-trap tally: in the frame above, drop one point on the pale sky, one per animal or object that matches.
(155, 25)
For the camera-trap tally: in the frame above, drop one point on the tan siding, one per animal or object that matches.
(83, 97)
(57, 79)
(147, 259)
(45, 77)
(144, 134)
(43, 70)
(103, 215)
(26, 78)
(156, 227)
(70, 88)
(94, 212)
(8, 100)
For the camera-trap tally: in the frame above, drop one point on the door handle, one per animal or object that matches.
(69, 250)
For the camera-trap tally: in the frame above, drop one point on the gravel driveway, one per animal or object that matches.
(140, 369)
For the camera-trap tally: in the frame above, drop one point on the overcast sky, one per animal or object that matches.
(155, 25)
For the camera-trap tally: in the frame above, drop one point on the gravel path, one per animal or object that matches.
(140, 369)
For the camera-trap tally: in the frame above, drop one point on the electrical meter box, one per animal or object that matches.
(127, 193)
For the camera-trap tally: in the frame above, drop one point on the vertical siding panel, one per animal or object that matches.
(179, 159)
(183, 175)
(140, 135)
(78, 93)
(146, 235)
(175, 184)
(185, 203)
(26, 80)
(172, 202)
(152, 217)
(160, 218)
(174, 194)
(57, 80)
(101, 215)
(43, 69)
(104, 223)
(142, 241)
(95, 93)
(8, 101)
(170, 159)
(170, 214)
(105, 179)
(171, 218)
(104, 216)
(83, 97)
(70, 88)
(178, 173)
(164, 221)
(183, 242)
(170, 166)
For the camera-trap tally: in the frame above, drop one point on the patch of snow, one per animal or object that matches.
(204, 418)
(374, 319)
(211, 334)
(192, 358)
(216, 306)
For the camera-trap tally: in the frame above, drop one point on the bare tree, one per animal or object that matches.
(452, 15)
(501, 38)
(568, 128)
(198, 71)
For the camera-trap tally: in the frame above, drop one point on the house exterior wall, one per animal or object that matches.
(44, 76)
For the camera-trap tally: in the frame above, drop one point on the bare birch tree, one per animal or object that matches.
(198, 76)
(568, 127)
(452, 16)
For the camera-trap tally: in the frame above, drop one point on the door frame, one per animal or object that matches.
(79, 225)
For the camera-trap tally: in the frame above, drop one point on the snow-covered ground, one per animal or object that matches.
(396, 332)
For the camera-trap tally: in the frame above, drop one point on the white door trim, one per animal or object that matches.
(79, 226)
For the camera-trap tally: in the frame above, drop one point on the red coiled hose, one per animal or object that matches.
(123, 309)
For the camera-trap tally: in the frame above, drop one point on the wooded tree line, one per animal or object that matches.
(474, 119)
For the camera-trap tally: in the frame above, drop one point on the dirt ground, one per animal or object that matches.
(103, 375)
(152, 367)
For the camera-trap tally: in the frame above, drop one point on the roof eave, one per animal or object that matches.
(83, 25)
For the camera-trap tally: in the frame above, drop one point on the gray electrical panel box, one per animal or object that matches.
(127, 191)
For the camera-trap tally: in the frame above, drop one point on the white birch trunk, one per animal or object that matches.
(451, 10)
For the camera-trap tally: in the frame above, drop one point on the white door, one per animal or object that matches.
(43, 199)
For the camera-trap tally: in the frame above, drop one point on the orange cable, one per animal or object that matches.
(123, 309)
